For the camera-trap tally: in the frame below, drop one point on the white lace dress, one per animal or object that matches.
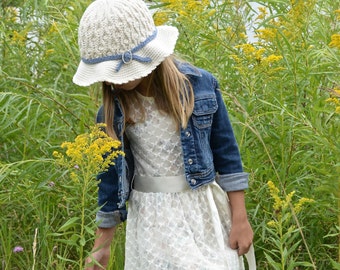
(173, 231)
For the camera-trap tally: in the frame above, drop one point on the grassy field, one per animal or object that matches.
(282, 89)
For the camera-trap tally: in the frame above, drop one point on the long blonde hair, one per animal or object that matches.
(171, 89)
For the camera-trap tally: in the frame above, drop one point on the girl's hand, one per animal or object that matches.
(101, 249)
(241, 236)
(102, 256)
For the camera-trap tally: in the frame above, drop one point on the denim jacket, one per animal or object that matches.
(210, 151)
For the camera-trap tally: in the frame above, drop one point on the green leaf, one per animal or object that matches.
(72, 222)
(275, 265)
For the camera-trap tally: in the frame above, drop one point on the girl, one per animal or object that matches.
(182, 170)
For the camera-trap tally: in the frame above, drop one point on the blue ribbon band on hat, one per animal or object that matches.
(125, 57)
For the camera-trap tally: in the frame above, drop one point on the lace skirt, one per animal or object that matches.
(185, 230)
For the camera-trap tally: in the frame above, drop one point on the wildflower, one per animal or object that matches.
(74, 177)
(212, 12)
(235, 57)
(18, 37)
(50, 51)
(335, 41)
(335, 98)
(183, 13)
(263, 13)
(53, 28)
(267, 34)
(337, 12)
(274, 192)
(288, 199)
(88, 151)
(272, 223)
(247, 48)
(182, 8)
(18, 249)
(258, 53)
(300, 203)
(161, 17)
(57, 155)
(229, 30)
(242, 35)
(272, 58)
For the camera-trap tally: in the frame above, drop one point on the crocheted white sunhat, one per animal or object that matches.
(119, 42)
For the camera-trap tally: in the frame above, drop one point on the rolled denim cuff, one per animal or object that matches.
(110, 219)
(233, 182)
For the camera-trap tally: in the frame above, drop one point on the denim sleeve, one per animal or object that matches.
(227, 159)
(109, 214)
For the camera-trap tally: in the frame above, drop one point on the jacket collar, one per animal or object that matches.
(188, 69)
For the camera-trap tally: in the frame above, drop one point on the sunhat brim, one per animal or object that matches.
(158, 49)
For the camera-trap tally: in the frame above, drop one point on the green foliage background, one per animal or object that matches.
(288, 133)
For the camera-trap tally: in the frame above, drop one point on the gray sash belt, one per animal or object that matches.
(164, 184)
(171, 184)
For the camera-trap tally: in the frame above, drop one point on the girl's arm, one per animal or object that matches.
(241, 234)
(231, 177)
(101, 249)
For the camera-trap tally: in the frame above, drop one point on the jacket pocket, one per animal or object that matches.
(203, 112)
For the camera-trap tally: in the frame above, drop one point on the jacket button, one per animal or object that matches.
(190, 161)
(193, 181)
(187, 133)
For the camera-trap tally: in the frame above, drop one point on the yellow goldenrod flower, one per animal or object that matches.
(335, 41)
(57, 155)
(18, 37)
(184, 10)
(53, 28)
(285, 204)
(267, 34)
(272, 223)
(160, 18)
(242, 35)
(274, 192)
(263, 13)
(247, 49)
(288, 200)
(291, 229)
(211, 13)
(337, 12)
(335, 98)
(88, 150)
(50, 51)
(235, 57)
(183, 13)
(258, 53)
(271, 59)
(300, 203)
(74, 177)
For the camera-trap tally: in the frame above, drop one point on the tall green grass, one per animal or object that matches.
(276, 91)
(276, 88)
